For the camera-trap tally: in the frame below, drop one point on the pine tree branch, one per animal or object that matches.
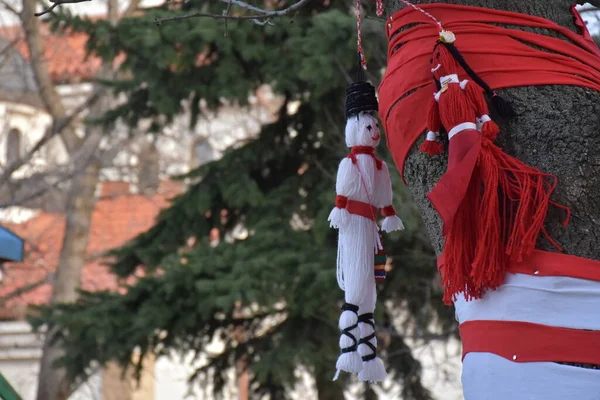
(260, 16)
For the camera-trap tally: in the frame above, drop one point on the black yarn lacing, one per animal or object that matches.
(346, 331)
(369, 319)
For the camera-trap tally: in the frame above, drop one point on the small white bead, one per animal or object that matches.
(515, 357)
(390, 26)
(536, 273)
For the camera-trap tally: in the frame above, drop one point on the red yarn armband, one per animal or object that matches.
(388, 211)
(341, 201)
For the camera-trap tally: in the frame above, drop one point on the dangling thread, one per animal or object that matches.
(363, 60)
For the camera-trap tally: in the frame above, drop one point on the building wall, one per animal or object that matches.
(20, 352)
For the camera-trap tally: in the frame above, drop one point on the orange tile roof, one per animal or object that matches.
(65, 53)
(115, 220)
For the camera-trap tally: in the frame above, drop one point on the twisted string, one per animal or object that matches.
(379, 7)
(408, 3)
(363, 60)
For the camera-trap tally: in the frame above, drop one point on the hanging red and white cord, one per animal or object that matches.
(408, 3)
(379, 7)
(379, 11)
(363, 60)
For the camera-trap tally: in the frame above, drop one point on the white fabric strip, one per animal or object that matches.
(461, 127)
(485, 118)
(445, 80)
(487, 376)
(548, 300)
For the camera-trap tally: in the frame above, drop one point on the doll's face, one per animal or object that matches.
(362, 131)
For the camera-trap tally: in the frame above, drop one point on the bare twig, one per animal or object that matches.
(324, 170)
(58, 3)
(260, 15)
(226, 12)
(9, 7)
(131, 8)
(52, 131)
(10, 46)
(26, 288)
(42, 186)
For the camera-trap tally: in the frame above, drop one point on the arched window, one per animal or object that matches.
(203, 152)
(148, 177)
(13, 146)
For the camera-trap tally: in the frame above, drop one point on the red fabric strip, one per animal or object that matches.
(360, 208)
(341, 201)
(544, 263)
(388, 211)
(527, 342)
(501, 56)
(367, 150)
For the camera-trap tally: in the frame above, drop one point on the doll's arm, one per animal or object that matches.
(484, 122)
(391, 222)
(432, 145)
(346, 186)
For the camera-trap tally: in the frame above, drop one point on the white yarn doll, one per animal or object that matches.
(363, 188)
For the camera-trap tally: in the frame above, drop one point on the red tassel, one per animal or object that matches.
(432, 147)
(459, 250)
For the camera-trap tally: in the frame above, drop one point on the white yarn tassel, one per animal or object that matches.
(373, 371)
(338, 218)
(392, 223)
(349, 361)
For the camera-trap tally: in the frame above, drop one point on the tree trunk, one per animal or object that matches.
(557, 130)
(53, 384)
(568, 117)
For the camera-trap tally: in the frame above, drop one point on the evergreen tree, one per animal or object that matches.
(272, 296)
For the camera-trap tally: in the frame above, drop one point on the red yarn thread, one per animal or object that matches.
(432, 147)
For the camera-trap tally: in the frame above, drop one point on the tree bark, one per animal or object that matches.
(557, 130)
(47, 91)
